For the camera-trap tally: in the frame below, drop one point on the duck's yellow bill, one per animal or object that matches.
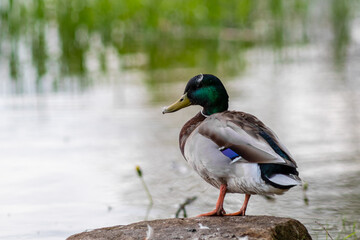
(184, 101)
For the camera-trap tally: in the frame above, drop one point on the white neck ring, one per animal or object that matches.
(203, 113)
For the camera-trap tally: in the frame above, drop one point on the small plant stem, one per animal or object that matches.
(324, 229)
(147, 191)
(183, 205)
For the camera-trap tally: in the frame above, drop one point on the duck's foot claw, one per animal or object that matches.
(239, 213)
(242, 209)
(219, 212)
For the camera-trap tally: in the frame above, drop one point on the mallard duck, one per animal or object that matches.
(233, 151)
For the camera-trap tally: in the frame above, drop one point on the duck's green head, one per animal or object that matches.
(205, 90)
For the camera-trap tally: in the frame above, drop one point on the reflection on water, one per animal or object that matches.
(82, 85)
(73, 38)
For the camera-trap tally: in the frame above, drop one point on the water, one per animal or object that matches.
(74, 126)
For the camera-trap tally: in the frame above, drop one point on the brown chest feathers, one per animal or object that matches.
(188, 128)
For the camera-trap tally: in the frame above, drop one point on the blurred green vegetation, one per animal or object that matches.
(160, 37)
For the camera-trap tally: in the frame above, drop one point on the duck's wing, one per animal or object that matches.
(243, 137)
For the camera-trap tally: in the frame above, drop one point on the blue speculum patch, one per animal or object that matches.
(230, 153)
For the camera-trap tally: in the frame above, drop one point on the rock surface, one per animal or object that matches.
(241, 228)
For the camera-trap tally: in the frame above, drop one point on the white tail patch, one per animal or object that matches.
(285, 180)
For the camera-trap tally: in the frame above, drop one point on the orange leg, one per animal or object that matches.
(219, 210)
(242, 209)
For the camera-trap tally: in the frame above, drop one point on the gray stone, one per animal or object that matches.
(240, 228)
